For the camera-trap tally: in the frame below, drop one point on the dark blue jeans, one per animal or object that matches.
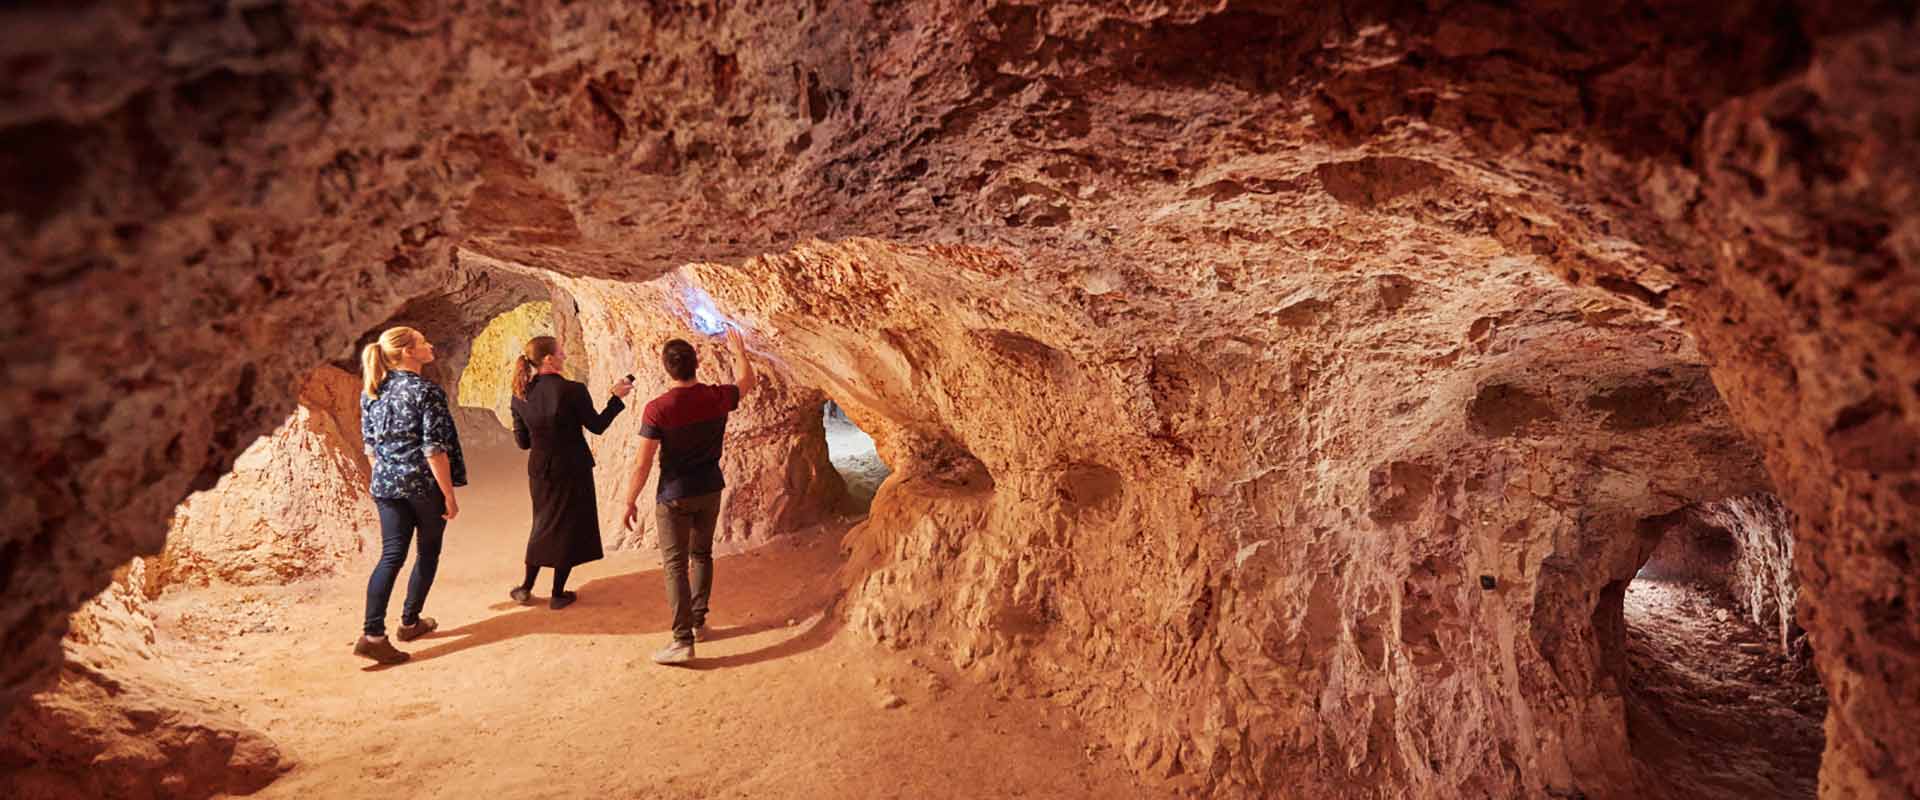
(399, 519)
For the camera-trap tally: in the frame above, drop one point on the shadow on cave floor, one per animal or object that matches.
(1714, 709)
(508, 701)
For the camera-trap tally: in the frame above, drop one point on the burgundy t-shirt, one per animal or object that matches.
(690, 422)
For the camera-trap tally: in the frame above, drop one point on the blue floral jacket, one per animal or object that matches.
(406, 423)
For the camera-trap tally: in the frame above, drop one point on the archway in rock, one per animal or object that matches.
(1145, 216)
(854, 455)
(487, 381)
(782, 480)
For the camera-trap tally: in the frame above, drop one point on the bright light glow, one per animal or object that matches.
(701, 312)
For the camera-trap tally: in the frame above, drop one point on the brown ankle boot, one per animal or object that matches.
(379, 650)
(408, 633)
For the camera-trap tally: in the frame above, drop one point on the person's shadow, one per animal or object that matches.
(635, 604)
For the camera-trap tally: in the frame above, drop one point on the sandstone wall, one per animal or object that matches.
(294, 506)
(113, 722)
(1136, 221)
(487, 382)
(1255, 560)
(1695, 551)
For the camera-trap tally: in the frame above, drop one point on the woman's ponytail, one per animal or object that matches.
(383, 354)
(373, 370)
(528, 364)
(523, 370)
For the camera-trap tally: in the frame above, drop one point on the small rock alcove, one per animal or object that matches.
(854, 455)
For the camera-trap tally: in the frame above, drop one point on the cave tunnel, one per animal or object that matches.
(1205, 400)
(1722, 695)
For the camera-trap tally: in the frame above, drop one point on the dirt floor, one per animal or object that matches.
(1715, 709)
(516, 702)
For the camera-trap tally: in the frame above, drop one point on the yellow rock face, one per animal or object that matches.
(488, 380)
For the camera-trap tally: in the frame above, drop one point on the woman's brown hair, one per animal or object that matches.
(527, 364)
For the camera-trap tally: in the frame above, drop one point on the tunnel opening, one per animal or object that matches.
(854, 455)
(482, 391)
(1722, 697)
(294, 505)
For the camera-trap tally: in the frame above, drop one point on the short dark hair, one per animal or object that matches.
(680, 359)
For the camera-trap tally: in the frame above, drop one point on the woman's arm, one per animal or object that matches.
(366, 428)
(589, 419)
(439, 441)
(521, 436)
(443, 474)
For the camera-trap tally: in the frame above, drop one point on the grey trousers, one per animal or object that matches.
(686, 535)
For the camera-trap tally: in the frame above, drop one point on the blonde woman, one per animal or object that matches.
(549, 413)
(416, 457)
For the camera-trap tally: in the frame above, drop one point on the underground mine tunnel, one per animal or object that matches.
(1174, 399)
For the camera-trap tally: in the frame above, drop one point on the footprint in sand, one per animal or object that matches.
(415, 710)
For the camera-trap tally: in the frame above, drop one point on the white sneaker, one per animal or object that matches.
(676, 653)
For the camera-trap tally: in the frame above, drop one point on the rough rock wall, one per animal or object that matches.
(1813, 188)
(1254, 560)
(1746, 169)
(294, 506)
(481, 431)
(114, 723)
(182, 185)
(1761, 580)
(1695, 551)
(566, 326)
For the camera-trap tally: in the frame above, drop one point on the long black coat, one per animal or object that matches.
(566, 516)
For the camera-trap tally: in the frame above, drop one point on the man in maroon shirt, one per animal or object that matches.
(685, 426)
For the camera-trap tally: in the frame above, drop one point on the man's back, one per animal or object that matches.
(690, 422)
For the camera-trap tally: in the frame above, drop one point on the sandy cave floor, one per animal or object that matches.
(510, 702)
(1715, 710)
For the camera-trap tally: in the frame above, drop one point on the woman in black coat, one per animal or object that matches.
(549, 412)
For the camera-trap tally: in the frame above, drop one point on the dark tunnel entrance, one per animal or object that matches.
(1722, 697)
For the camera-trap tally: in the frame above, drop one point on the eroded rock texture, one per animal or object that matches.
(114, 722)
(1032, 527)
(1219, 349)
(294, 506)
